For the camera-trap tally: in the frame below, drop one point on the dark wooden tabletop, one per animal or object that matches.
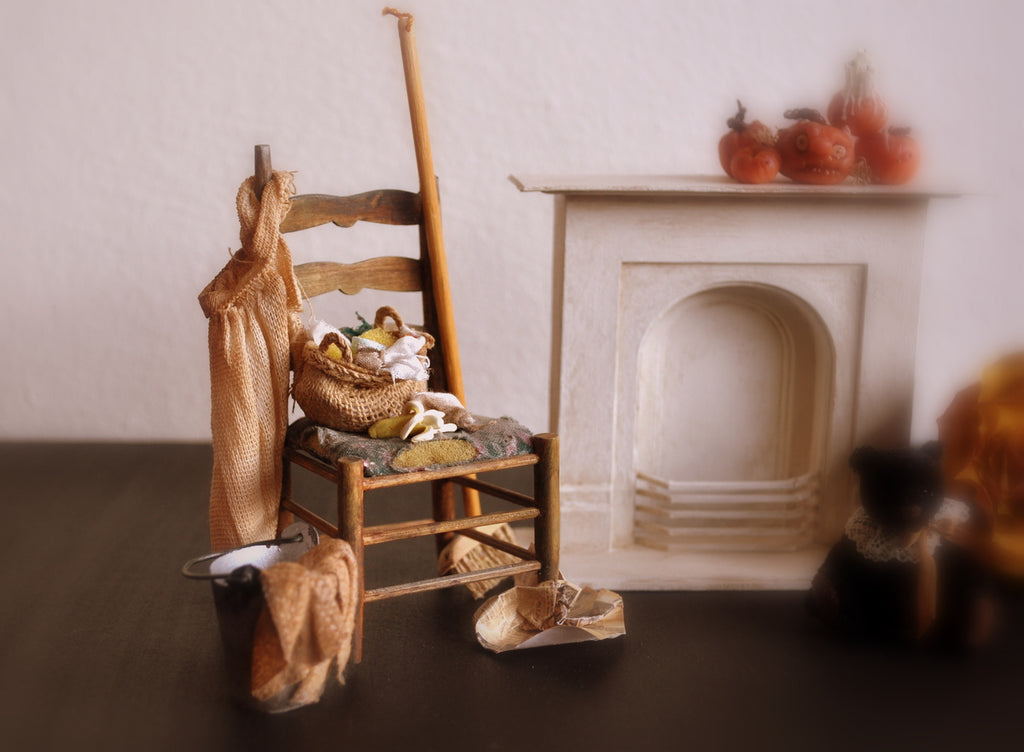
(106, 646)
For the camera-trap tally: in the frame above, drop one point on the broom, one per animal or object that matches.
(466, 555)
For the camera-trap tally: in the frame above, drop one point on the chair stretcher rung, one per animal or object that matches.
(437, 583)
(496, 491)
(313, 519)
(419, 528)
(498, 543)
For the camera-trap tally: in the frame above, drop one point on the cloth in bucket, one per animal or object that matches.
(307, 624)
(286, 610)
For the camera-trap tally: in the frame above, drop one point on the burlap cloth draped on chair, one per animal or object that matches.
(253, 307)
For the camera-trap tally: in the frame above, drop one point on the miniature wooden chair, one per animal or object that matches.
(409, 274)
(427, 274)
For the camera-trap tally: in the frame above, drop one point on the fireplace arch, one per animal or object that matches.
(734, 385)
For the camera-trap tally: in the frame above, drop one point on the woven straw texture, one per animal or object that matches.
(343, 395)
(465, 555)
(252, 306)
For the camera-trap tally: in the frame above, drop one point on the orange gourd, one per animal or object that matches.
(857, 106)
(812, 151)
(891, 157)
(754, 139)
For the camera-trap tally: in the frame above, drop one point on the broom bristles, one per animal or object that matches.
(464, 555)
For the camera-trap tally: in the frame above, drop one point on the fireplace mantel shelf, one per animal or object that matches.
(714, 186)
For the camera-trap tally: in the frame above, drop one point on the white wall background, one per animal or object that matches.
(128, 125)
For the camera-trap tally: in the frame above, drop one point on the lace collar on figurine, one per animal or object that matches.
(876, 544)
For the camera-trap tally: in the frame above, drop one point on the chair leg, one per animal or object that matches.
(443, 496)
(545, 493)
(284, 517)
(350, 529)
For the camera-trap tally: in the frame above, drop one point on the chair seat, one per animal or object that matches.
(494, 439)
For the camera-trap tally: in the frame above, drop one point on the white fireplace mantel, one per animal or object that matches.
(697, 318)
(710, 186)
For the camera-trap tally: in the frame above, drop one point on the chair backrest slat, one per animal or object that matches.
(388, 273)
(391, 273)
(388, 206)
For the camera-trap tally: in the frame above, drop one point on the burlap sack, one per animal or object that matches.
(252, 306)
(343, 395)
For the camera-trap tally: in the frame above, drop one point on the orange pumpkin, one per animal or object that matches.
(857, 106)
(813, 151)
(892, 158)
(755, 164)
(864, 117)
(742, 135)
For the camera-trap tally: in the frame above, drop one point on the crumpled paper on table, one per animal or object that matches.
(555, 612)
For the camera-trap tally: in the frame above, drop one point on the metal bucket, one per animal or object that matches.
(238, 600)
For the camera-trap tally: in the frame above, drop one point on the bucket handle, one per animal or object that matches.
(188, 570)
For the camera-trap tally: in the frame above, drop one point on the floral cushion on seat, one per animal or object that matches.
(494, 439)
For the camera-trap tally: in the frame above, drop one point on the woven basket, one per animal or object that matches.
(344, 395)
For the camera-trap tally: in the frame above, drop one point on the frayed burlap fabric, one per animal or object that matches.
(253, 306)
(307, 625)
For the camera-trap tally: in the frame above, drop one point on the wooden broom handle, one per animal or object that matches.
(431, 204)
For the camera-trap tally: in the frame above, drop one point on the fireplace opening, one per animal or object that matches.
(734, 403)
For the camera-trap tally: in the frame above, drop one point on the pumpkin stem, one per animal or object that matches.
(899, 130)
(737, 121)
(805, 113)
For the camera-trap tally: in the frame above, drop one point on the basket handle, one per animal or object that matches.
(384, 313)
(342, 343)
(188, 570)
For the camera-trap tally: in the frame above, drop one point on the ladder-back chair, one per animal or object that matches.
(411, 274)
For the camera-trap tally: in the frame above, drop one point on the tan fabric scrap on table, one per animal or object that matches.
(252, 306)
(307, 623)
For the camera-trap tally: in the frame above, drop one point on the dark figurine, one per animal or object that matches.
(903, 571)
